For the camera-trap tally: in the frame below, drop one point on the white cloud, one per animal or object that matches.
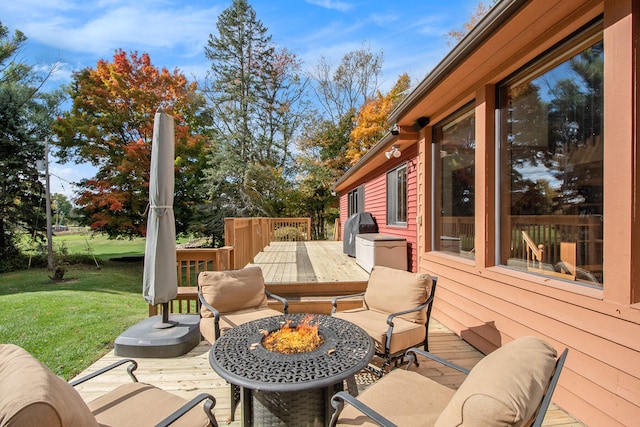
(331, 4)
(117, 24)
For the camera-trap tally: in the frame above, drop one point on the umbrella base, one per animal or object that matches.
(145, 339)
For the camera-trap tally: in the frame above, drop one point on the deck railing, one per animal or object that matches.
(249, 236)
(551, 231)
(244, 239)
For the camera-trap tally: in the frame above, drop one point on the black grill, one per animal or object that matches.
(357, 223)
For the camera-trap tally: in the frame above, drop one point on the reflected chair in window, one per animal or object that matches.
(32, 395)
(512, 386)
(395, 312)
(233, 297)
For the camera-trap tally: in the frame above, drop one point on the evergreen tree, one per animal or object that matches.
(25, 118)
(255, 97)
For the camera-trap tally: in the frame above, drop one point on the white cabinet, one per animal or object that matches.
(378, 249)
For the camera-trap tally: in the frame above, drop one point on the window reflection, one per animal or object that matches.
(455, 184)
(552, 156)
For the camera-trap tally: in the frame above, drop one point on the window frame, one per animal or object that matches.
(394, 214)
(449, 245)
(355, 201)
(578, 42)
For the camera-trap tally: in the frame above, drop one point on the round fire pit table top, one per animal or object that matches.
(239, 357)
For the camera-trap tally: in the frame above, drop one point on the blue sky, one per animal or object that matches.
(77, 33)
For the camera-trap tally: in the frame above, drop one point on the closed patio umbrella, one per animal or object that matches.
(160, 282)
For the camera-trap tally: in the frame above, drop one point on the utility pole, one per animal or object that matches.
(48, 208)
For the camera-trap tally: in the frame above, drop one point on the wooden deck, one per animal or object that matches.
(310, 261)
(191, 374)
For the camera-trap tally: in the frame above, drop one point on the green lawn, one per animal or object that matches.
(100, 246)
(69, 325)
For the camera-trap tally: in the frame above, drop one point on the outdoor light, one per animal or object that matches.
(420, 123)
(395, 152)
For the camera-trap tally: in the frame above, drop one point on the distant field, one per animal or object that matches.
(100, 246)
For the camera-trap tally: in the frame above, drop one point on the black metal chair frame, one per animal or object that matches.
(340, 398)
(235, 390)
(385, 354)
(209, 403)
(216, 313)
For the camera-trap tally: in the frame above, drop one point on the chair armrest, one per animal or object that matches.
(338, 400)
(334, 301)
(283, 300)
(390, 318)
(208, 409)
(216, 313)
(411, 310)
(411, 355)
(132, 367)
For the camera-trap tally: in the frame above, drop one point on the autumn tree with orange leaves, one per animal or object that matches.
(372, 119)
(110, 125)
(456, 34)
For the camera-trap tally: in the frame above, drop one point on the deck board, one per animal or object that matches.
(308, 262)
(189, 375)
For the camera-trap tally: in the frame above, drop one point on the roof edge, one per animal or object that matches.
(497, 16)
(372, 152)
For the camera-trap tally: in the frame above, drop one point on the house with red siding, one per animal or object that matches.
(389, 193)
(517, 185)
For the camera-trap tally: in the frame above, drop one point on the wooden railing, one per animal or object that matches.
(190, 262)
(552, 232)
(249, 236)
(244, 239)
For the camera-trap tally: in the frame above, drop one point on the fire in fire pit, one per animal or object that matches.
(302, 337)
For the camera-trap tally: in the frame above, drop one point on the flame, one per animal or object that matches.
(302, 338)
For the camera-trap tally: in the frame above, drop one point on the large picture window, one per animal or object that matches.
(551, 148)
(397, 196)
(454, 172)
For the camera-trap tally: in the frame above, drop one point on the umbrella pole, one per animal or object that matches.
(165, 323)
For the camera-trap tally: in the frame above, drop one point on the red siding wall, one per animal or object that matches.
(375, 201)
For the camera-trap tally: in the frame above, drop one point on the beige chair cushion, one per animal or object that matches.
(404, 397)
(505, 388)
(405, 334)
(390, 290)
(32, 395)
(230, 320)
(138, 404)
(232, 290)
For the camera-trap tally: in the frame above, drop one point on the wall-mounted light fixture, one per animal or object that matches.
(420, 123)
(395, 129)
(394, 152)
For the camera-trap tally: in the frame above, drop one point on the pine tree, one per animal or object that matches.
(254, 95)
(25, 117)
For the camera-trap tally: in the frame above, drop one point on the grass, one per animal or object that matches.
(69, 325)
(100, 246)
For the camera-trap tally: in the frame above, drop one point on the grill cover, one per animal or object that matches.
(358, 223)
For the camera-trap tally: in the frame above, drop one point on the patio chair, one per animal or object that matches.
(32, 395)
(232, 297)
(512, 386)
(395, 312)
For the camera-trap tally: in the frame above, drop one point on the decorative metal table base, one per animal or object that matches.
(301, 408)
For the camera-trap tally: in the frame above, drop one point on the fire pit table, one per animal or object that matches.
(289, 389)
